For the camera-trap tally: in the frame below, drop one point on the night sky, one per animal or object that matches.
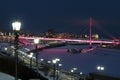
(62, 15)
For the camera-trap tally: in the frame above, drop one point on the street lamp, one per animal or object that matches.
(31, 55)
(60, 65)
(72, 71)
(100, 68)
(54, 62)
(81, 73)
(57, 65)
(41, 60)
(23, 58)
(49, 62)
(16, 28)
(36, 41)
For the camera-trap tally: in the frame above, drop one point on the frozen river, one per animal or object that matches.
(85, 62)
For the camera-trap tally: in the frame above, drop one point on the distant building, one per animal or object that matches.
(96, 36)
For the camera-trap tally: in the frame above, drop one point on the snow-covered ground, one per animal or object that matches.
(4, 76)
(85, 62)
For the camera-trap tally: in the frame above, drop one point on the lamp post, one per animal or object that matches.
(41, 60)
(31, 55)
(60, 65)
(23, 58)
(72, 71)
(55, 66)
(57, 60)
(16, 28)
(54, 62)
(36, 41)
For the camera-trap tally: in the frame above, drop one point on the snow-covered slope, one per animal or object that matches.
(85, 62)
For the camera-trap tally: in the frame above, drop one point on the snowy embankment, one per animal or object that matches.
(85, 62)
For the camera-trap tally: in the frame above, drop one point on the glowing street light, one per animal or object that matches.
(31, 55)
(16, 28)
(81, 73)
(100, 68)
(54, 62)
(6, 49)
(41, 60)
(55, 66)
(72, 71)
(49, 62)
(60, 65)
(57, 60)
(74, 68)
(36, 41)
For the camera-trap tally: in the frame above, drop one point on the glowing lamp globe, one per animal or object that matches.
(57, 59)
(72, 70)
(98, 67)
(54, 61)
(36, 40)
(16, 26)
(60, 64)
